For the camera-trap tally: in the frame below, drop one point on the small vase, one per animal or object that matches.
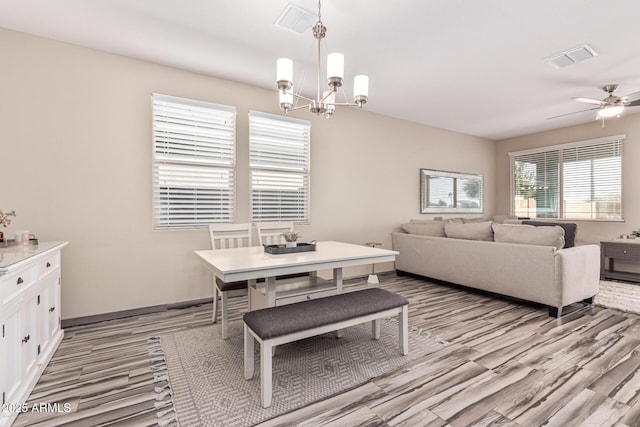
(291, 244)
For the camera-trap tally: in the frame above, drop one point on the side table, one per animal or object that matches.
(621, 249)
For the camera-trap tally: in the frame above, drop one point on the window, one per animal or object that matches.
(193, 163)
(279, 163)
(578, 181)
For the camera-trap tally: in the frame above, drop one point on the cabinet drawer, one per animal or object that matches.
(631, 251)
(305, 297)
(48, 264)
(16, 281)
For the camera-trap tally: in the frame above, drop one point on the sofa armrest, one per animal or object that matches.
(579, 272)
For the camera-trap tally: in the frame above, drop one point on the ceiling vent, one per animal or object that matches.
(571, 56)
(296, 19)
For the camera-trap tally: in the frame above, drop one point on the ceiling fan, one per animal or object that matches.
(610, 106)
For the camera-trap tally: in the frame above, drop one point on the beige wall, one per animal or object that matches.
(76, 166)
(588, 231)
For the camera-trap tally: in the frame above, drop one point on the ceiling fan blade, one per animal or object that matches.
(588, 100)
(575, 112)
(633, 103)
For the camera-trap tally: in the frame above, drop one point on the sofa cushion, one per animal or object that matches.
(431, 228)
(469, 231)
(570, 230)
(530, 235)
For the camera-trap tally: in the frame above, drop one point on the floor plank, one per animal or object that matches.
(505, 362)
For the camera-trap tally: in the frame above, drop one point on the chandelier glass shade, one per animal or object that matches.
(325, 100)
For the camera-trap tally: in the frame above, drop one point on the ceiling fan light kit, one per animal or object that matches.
(610, 106)
(611, 111)
(325, 101)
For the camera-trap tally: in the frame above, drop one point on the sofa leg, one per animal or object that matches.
(400, 273)
(588, 300)
(555, 312)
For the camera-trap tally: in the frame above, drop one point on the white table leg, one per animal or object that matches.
(252, 285)
(225, 322)
(248, 354)
(337, 281)
(215, 300)
(403, 326)
(271, 291)
(265, 374)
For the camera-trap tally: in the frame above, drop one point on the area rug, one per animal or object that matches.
(206, 376)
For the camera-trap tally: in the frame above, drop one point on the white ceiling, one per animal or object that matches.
(472, 66)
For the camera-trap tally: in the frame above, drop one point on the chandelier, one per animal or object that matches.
(325, 101)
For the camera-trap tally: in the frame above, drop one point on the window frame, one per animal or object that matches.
(304, 170)
(203, 167)
(561, 148)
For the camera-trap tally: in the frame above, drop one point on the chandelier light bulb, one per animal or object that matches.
(335, 69)
(284, 73)
(361, 86)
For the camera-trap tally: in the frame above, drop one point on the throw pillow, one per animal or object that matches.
(457, 220)
(431, 228)
(468, 220)
(500, 219)
(529, 235)
(420, 221)
(469, 231)
(570, 230)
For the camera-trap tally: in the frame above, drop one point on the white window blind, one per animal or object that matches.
(279, 158)
(193, 163)
(577, 181)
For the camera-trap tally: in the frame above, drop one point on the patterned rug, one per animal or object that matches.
(206, 375)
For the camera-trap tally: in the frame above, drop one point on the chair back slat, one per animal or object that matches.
(225, 236)
(270, 233)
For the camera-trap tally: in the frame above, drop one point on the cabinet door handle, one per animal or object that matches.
(25, 339)
(48, 264)
(624, 252)
(20, 281)
(52, 309)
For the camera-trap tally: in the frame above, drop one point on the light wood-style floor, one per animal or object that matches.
(506, 362)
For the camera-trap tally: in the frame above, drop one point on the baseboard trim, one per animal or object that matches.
(96, 318)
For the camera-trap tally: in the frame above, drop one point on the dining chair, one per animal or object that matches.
(270, 233)
(224, 236)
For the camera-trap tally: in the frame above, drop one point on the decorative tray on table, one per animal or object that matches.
(283, 249)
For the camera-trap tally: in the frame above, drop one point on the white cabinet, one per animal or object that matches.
(30, 282)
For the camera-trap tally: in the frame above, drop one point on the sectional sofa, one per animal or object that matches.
(522, 261)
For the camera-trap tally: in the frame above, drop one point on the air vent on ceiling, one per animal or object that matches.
(571, 56)
(296, 19)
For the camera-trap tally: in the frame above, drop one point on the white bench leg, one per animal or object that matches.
(265, 373)
(375, 329)
(248, 354)
(403, 326)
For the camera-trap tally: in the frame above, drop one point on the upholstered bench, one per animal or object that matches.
(283, 324)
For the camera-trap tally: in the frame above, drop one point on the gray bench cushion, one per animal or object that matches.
(288, 319)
